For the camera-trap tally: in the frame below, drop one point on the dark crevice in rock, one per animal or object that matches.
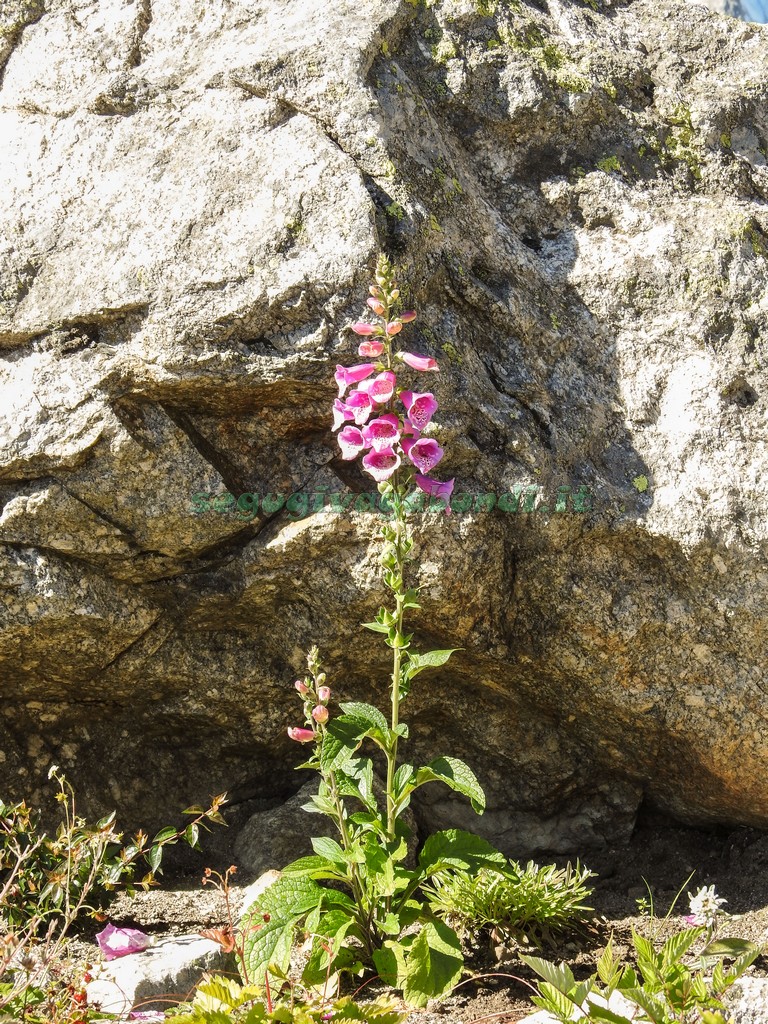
(232, 476)
(143, 21)
(129, 647)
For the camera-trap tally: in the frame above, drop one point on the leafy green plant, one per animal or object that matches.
(48, 881)
(664, 989)
(220, 1000)
(376, 912)
(528, 903)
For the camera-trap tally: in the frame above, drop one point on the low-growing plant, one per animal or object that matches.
(48, 881)
(376, 912)
(530, 904)
(220, 1000)
(665, 988)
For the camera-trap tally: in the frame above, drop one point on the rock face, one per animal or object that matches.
(192, 199)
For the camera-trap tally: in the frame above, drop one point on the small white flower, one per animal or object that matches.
(705, 906)
(52, 770)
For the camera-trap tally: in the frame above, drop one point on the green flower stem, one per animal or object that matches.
(396, 669)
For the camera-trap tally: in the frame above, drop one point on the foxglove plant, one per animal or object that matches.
(366, 917)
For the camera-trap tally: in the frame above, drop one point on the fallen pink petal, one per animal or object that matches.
(420, 407)
(422, 363)
(425, 454)
(115, 942)
(381, 465)
(300, 735)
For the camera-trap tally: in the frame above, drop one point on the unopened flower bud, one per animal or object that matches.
(321, 677)
(320, 714)
(301, 687)
(408, 317)
(300, 735)
(371, 348)
(376, 306)
(394, 294)
(324, 694)
(394, 328)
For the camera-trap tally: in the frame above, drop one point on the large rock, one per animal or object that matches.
(192, 197)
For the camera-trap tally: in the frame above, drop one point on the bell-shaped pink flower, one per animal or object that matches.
(300, 735)
(363, 328)
(436, 489)
(361, 405)
(376, 305)
(324, 694)
(425, 453)
(408, 317)
(301, 687)
(420, 407)
(320, 714)
(382, 432)
(114, 942)
(383, 387)
(419, 362)
(394, 328)
(351, 442)
(370, 349)
(381, 465)
(346, 375)
(341, 413)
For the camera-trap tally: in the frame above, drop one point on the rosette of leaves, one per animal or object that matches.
(530, 904)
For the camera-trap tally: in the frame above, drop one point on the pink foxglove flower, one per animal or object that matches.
(361, 405)
(394, 328)
(436, 489)
(376, 305)
(346, 375)
(341, 413)
(381, 465)
(301, 687)
(114, 942)
(324, 694)
(363, 328)
(422, 363)
(382, 432)
(320, 714)
(351, 442)
(383, 387)
(370, 349)
(420, 407)
(300, 735)
(425, 453)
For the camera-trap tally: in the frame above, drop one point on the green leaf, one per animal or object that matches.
(598, 1012)
(729, 947)
(326, 847)
(290, 896)
(376, 627)
(307, 866)
(678, 945)
(342, 738)
(431, 659)
(164, 834)
(154, 857)
(653, 1007)
(457, 775)
(560, 977)
(563, 1006)
(331, 930)
(433, 965)
(271, 943)
(389, 961)
(410, 599)
(457, 849)
(191, 834)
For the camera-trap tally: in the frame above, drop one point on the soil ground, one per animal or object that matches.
(661, 852)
